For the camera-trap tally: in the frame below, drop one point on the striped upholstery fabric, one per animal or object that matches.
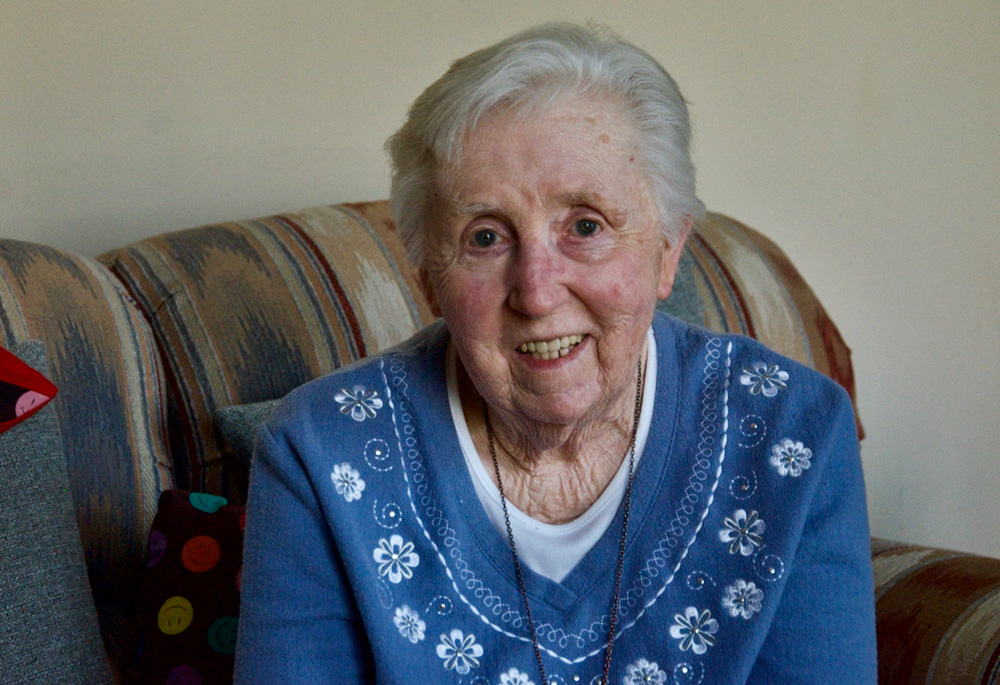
(110, 411)
(938, 615)
(247, 311)
(743, 283)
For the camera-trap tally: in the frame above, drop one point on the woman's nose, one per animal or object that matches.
(536, 279)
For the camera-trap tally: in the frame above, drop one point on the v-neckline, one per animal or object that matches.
(596, 568)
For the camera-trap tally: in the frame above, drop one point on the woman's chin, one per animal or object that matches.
(556, 414)
(561, 391)
(559, 405)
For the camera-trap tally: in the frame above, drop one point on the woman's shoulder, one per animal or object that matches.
(757, 389)
(746, 362)
(356, 389)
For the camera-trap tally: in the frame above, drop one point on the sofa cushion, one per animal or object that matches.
(110, 411)
(239, 426)
(48, 625)
(189, 607)
(247, 311)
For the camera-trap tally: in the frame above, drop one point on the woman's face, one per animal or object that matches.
(545, 231)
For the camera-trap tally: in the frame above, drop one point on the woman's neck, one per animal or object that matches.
(551, 473)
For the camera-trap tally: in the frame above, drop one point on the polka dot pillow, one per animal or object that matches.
(189, 605)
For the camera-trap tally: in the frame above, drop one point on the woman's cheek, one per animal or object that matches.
(467, 295)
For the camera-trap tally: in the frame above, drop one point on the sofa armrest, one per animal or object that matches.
(937, 614)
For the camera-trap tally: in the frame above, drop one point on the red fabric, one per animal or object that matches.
(17, 382)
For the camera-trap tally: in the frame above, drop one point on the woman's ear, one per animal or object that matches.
(428, 289)
(670, 258)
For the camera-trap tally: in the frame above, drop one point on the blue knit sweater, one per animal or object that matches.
(369, 558)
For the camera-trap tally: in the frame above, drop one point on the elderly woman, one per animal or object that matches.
(556, 484)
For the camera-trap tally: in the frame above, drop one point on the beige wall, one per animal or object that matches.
(862, 136)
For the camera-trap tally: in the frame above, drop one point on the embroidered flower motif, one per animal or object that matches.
(790, 458)
(764, 379)
(743, 532)
(396, 558)
(360, 403)
(460, 652)
(347, 481)
(642, 672)
(514, 677)
(409, 624)
(742, 598)
(695, 629)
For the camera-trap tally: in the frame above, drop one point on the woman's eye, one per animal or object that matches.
(485, 238)
(586, 227)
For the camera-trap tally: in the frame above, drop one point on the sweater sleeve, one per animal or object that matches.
(824, 627)
(299, 622)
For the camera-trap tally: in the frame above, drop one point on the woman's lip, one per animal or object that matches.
(551, 344)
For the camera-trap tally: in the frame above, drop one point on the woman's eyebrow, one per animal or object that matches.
(581, 197)
(587, 196)
(474, 209)
(615, 210)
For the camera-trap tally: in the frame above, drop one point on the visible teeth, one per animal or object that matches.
(551, 349)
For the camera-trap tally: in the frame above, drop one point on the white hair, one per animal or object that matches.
(532, 69)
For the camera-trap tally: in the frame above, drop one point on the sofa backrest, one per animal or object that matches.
(246, 311)
(110, 414)
(734, 279)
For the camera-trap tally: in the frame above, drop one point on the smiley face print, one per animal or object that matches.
(175, 615)
(201, 553)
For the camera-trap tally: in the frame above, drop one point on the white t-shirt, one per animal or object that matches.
(552, 550)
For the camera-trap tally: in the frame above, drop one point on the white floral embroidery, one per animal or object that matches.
(347, 481)
(790, 458)
(742, 598)
(360, 403)
(642, 672)
(460, 652)
(695, 629)
(395, 558)
(514, 677)
(743, 532)
(409, 624)
(764, 379)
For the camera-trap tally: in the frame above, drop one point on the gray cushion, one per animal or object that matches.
(48, 624)
(239, 424)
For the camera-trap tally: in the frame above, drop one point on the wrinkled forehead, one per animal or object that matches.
(579, 134)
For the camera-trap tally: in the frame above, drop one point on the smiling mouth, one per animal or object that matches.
(551, 349)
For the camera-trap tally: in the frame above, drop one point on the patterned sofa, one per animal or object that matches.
(150, 343)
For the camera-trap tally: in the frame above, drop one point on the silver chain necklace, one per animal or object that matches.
(621, 546)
